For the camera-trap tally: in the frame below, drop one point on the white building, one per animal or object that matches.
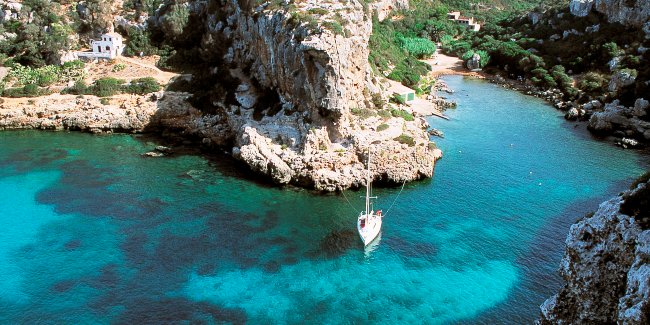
(467, 21)
(109, 46)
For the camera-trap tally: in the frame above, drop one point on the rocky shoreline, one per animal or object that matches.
(298, 105)
(624, 124)
(606, 266)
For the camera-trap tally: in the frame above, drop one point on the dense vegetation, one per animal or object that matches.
(399, 41)
(560, 51)
(566, 52)
(107, 86)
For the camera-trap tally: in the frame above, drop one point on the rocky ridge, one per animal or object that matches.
(297, 73)
(620, 11)
(606, 268)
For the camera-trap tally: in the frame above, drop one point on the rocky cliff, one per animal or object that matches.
(606, 266)
(290, 78)
(627, 12)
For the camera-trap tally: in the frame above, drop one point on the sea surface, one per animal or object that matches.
(92, 232)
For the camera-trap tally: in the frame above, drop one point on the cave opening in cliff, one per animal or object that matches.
(268, 102)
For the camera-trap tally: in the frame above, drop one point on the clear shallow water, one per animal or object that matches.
(94, 233)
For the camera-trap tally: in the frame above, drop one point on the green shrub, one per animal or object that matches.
(118, 67)
(48, 75)
(397, 99)
(79, 88)
(104, 101)
(142, 86)
(384, 113)
(139, 42)
(382, 127)
(377, 101)
(106, 86)
(317, 11)
(31, 90)
(403, 114)
(417, 46)
(593, 82)
(364, 113)
(335, 27)
(405, 139)
(176, 19)
(610, 50)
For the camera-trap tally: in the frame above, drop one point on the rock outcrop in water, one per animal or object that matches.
(627, 12)
(124, 113)
(606, 266)
(287, 88)
(297, 87)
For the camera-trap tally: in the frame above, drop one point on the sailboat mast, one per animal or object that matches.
(368, 186)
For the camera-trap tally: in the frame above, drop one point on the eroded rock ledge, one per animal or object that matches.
(294, 97)
(606, 267)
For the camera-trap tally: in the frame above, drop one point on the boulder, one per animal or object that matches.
(614, 63)
(567, 33)
(436, 133)
(628, 143)
(592, 105)
(153, 154)
(572, 114)
(83, 11)
(640, 108)
(621, 79)
(580, 8)
(164, 150)
(607, 120)
(474, 63)
(592, 28)
(534, 17)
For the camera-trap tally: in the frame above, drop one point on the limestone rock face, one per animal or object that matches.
(606, 270)
(124, 113)
(383, 8)
(635, 12)
(295, 80)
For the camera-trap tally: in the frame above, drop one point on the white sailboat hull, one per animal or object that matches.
(369, 227)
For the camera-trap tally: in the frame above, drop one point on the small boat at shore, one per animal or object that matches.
(369, 221)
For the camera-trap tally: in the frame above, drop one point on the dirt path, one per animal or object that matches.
(162, 76)
(133, 68)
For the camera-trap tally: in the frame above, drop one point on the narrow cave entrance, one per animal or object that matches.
(268, 103)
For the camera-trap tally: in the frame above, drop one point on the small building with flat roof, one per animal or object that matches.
(405, 93)
(109, 46)
(467, 21)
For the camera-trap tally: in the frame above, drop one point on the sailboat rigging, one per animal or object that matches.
(369, 221)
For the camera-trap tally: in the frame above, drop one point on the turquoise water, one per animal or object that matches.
(94, 233)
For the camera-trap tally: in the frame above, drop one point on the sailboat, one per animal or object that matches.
(369, 221)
